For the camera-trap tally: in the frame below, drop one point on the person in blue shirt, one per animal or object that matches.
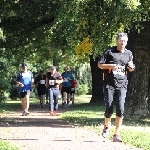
(66, 85)
(25, 81)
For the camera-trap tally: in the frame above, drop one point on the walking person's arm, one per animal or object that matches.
(18, 80)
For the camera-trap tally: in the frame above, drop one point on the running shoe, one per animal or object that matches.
(51, 113)
(27, 113)
(23, 113)
(105, 132)
(116, 138)
(54, 113)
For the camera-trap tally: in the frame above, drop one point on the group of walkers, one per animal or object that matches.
(51, 83)
(116, 61)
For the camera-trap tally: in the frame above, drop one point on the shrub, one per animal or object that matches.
(82, 89)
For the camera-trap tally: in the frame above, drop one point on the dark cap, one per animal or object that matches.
(23, 65)
(52, 67)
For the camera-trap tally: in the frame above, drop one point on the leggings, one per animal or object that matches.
(120, 94)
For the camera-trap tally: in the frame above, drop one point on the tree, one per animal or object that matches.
(138, 98)
(97, 81)
(83, 28)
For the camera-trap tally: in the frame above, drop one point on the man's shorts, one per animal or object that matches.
(66, 89)
(23, 94)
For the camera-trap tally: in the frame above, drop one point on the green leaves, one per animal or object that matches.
(46, 27)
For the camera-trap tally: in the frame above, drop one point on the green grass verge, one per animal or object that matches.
(7, 146)
(91, 116)
(10, 105)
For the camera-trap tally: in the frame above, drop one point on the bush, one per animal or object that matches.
(82, 74)
(82, 89)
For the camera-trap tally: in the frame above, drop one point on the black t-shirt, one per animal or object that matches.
(116, 78)
(56, 76)
(41, 80)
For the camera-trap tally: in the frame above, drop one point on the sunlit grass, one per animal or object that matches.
(10, 105)
(7, 146)
(91, 116)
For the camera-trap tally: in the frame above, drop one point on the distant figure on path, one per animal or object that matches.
(66, 85)
(40, 80)
(53, 79)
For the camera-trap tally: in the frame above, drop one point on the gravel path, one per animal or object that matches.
(39, 131)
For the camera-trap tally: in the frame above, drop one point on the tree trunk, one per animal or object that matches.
(97, 82)
(138, 97)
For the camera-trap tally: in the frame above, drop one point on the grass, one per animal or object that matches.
(10, 105)
(7, 146)
(91, 116)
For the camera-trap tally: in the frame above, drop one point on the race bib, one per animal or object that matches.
(42, 81)
(51, 82)
(65, 80)
(119, 71)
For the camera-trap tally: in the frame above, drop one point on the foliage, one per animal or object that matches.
(40, 29)
(85, 47)
(82, 74)
(82, 89)
(100, 20)
(43, 33)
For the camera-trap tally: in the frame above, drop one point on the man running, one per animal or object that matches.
(117, 61)
(25, 81)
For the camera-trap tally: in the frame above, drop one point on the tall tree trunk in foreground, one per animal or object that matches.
(138, 97)
(97, 82)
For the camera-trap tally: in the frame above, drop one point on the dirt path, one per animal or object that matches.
(39, 131)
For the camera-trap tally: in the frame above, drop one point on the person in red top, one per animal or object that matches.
(73, 86)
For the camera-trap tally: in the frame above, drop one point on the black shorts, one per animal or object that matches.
(120, 95)
(66, 89)
(23, 94)
(41, 91)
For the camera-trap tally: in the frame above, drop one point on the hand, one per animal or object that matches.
(130, 65)
(115, 66)
(21, 85)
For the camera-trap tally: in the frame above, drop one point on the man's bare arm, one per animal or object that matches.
(107, 66)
